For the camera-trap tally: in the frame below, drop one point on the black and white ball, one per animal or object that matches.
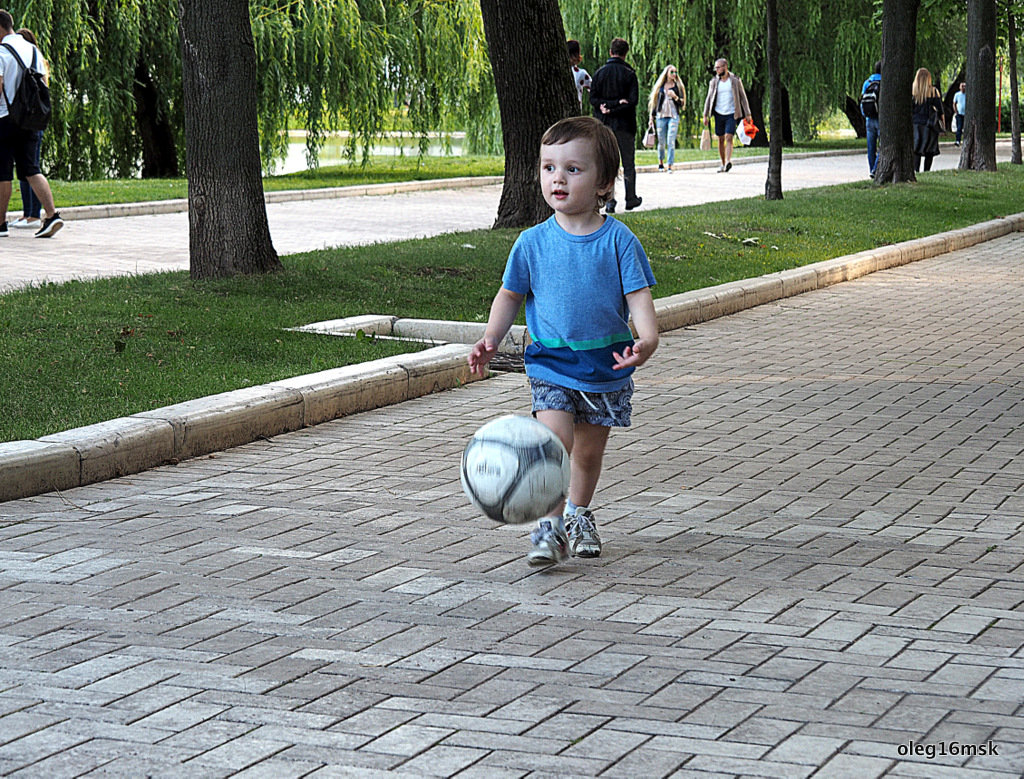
(515, 470)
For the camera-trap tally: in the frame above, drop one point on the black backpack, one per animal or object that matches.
(869, 100)
(30, 109)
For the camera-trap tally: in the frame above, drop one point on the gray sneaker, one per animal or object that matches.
(550, 544)
(583, 538)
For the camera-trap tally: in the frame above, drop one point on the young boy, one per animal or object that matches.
(582, 275)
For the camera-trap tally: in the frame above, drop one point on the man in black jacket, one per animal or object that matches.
(614, 93)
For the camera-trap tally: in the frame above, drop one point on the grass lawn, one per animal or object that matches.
(84, 352)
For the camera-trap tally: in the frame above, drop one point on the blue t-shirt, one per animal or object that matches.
(960, 102)
(575, 288)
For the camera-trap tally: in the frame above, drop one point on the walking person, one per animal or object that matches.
(727, 102)
(579, 75)
(615, 94)
(928, 119)
(959, 110)
(18, 146)
(869, 109)
(582, 276)
(31, 208)
(666, 103)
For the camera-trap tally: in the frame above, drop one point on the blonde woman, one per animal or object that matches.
(666, 103)
(928, 119)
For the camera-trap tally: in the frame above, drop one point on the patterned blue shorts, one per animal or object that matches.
(605, 409)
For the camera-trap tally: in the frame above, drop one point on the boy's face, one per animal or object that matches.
(569, 177)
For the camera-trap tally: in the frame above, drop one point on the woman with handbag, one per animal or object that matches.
(666, 103)
(928, 119)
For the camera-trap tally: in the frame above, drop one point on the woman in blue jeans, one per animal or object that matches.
(666, 103)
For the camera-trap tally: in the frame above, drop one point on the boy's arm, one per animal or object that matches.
(641, 309)
(503, 314)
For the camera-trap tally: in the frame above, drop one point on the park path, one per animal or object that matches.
(812, 567)
(159, 242)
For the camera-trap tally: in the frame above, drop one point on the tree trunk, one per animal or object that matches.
(787, 120)
(535, 89)
(1011, 25)
(773, 185)
(895, 128)
(852, 110)
(227, 215)
(755, 95)
(159, 150)
(978, 151)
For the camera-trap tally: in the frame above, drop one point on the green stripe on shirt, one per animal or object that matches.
(582, 346)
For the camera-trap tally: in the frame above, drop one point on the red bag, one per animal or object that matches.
(750, 128)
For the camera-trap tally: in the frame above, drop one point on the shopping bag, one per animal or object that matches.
(705, 140)
(650, 138)
(746, 131)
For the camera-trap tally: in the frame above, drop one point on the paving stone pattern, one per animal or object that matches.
(813, 559)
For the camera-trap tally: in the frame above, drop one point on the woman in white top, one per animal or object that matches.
(666, 103)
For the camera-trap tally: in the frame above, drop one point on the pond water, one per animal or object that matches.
(333, 151)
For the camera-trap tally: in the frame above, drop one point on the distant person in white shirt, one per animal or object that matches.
(960, 108)
(579, 75)
(17, 145)
(727, 101)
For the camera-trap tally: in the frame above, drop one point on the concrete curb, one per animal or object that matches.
(145, 440)
(167, 435)
(181, 204)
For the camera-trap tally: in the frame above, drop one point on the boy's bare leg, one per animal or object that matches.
(587, 457)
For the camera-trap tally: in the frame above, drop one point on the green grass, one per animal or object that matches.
(85, 352)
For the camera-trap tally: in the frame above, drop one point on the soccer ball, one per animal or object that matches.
(515, 470)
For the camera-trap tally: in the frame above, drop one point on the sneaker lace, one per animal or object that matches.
(583, 523)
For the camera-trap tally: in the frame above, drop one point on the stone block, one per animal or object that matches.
(677, 311)
(371, 324)
(830, 272)
(761, 290)
(440, 368)
(118, 447)
(230, 419)
(348, 390)
(796, 281)
(32, 467)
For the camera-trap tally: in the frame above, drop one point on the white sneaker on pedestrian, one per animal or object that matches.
(25, 221)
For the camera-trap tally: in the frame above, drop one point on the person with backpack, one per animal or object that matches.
(869, 109)
(19, 60)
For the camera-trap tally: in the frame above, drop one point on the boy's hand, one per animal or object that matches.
(632, 356)
(483, 351)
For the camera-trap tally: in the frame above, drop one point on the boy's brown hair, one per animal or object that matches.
(602, 140)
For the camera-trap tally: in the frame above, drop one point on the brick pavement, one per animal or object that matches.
(813, 557)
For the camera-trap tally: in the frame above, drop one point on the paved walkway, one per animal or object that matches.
(143, 244)
(812, 567)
